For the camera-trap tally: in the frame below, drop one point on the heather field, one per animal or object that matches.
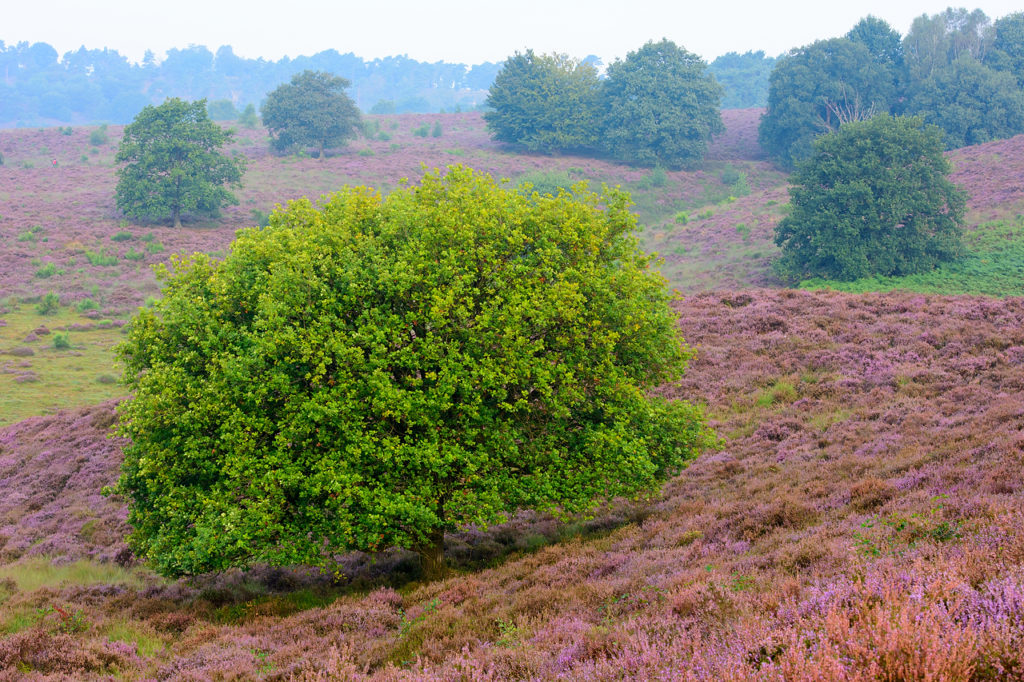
(862, 520)
(60, 231)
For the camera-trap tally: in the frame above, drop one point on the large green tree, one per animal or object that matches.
(743, 77)
(874, 199)
(971, 102)
(661, 106)
(312, 110)
(1007, 53)
(372, 372)
(545, 103)
(173, 165)
(817, 88)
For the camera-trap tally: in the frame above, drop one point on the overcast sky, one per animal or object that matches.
(468, 31)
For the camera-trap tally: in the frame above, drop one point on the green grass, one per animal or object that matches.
(145, 639)
(993, 265)
(36, 573)
(64, 378)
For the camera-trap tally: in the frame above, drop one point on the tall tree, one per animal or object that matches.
(873, 199)
(1007, 53)
(743, 77)
(545, 103)
(661, 106)
(311, 110)
(817, 88)
(971, 102)
(173, 165)
(376, 372)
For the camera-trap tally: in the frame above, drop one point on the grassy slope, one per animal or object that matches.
(863, 521)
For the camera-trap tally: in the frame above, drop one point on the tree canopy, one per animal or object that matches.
(873, 199)
(371, 372)
(817, 88)
(661, 106)
(743, 77)
(312, 110)
(544, 102)
(658, 106)
(172, 164)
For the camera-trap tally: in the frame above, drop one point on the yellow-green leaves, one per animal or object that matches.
(370, 372)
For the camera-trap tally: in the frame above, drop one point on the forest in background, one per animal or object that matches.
(39, 87)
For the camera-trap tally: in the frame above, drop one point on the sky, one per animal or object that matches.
(466, 31)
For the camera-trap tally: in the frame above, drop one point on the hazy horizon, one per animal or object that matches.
(453, 31)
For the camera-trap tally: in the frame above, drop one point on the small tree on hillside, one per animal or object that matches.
(376, 372)
(173, 166)
(545, 103)
(661, 106)
(872, 200)
(312, 110)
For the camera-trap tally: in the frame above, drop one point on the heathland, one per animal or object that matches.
(862, 520)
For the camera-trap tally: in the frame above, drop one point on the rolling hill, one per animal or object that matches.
(863, 520)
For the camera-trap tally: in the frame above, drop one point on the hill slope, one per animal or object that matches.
(863, 521)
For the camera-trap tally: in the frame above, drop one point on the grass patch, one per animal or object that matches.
(64, 379)
(37, 572)
(146, 640)
(993, 265)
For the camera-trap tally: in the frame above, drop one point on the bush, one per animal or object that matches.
(405, 366)
(61, 341)
(98, 137)
(121, 236)
(873, 199)
(49, 304)
(248, 118)
(436, 132)
(47, 271)
(422, 131)
(104, 258)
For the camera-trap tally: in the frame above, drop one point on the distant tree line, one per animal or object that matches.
(658, 106)
(956, 70)
(744, 78)
(39, 87)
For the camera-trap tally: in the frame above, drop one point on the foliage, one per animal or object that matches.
(971, 102)
(743, 77)
(873, 200)
(311, 110)
(1007, 52)
(98, 137)
(376, 372)
(248, 118)
(660, 106)
(49, 304)
(817, 88)
(993, 265)
(544, 102)
(882, 41)
(172, 166)
(221, 110)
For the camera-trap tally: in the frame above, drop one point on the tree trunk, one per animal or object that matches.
(321, 151)
(432, 556)
(177, 217)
